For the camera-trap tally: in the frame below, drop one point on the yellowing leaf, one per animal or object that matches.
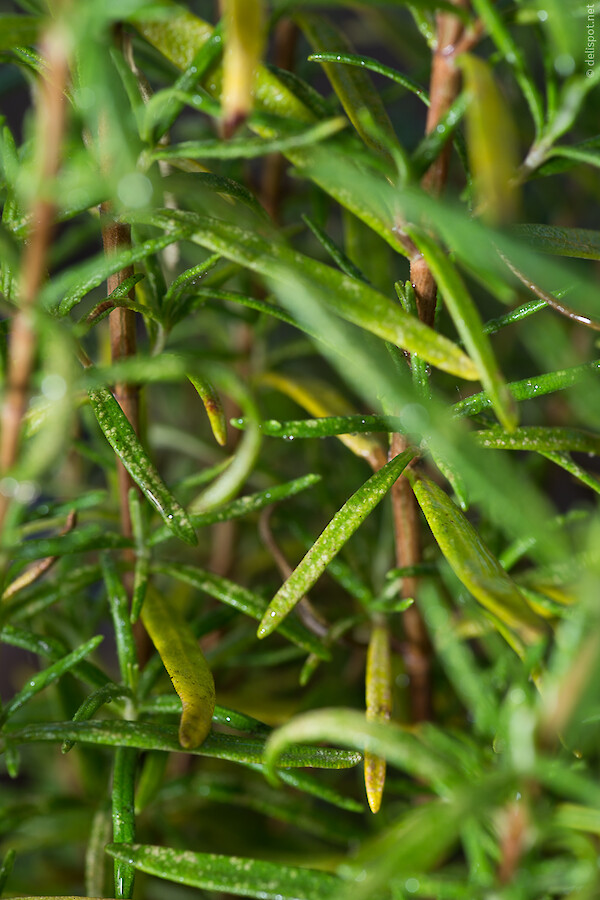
(379, 707)
(473, 562)
(491, 142)
(244, 38)
(186, 665)
(321, 399)
(343, 525)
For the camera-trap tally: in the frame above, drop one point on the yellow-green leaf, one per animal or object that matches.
(332, 539)
(379, 707)
(473, 562)
(186, 665)
(491, 142)
(244, 38)
(213, 406)
(320, 399)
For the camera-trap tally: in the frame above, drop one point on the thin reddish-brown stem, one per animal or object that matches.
(50, 113)
(116, 237)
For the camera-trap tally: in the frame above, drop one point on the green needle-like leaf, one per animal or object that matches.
(580, 243)
(228, 874)
(186, 665)
(123, 733)
(470, 327)
(474, 564)
(244, 600)
(342, 526)
(48, 676)
(123, 817)
(124, 441)
(540, 439)
(242, 506)
(352, 85)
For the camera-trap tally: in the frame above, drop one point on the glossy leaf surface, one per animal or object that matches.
(228, 874)
(340, 529)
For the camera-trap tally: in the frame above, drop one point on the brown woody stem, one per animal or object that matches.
(444, 88)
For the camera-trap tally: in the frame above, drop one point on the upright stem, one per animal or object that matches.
(50, 112)
(444, 88)
(116, 237)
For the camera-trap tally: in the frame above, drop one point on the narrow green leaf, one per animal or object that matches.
(351, 300)
(352, 85)
(70, 287)
(400, 746)
(119, 611)
(229, 874)
(250, 148)
(326, 426)
(515, 315)
(213, 406)
(529, 388)
(124, 733)
(373, 65)
(565, 462)
(321, 399)
(337, 254)
(492, 19)
(186, 665)
(48, 676)
(340, 529)
(235, 509)
(579, 243)
(470, 327)
(244, 601)
(124, 441)
(541, 439)
(90, 706)
(52, 648)
(472, 561)
(142, 556)
(378, 690)
(123, 817)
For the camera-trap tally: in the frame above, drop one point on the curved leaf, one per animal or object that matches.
(332, 539)
(474, 564)
(186, 665)
(346, 297)
(124, 441)
(213, 406)
(400, 746)
(352, 85)
(228, 874)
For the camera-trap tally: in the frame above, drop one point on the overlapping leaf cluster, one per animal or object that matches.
(271, 235)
